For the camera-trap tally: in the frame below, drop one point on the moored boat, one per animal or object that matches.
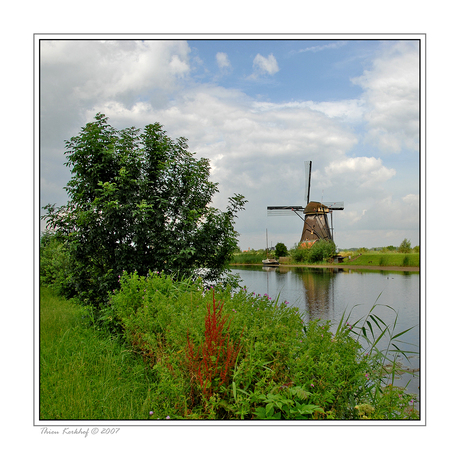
(270, 262)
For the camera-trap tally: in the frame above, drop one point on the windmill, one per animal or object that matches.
(315, 221)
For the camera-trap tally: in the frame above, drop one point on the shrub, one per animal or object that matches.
(281, 250)
(316, 252)
(322, 249)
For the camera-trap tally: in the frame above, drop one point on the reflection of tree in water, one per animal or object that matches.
(319, 293)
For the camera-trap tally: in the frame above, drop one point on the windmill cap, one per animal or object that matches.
(315, 207)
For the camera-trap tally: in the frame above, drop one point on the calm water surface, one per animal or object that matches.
(326, 293)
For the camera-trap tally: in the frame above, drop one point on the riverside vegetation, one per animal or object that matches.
(167, 349)
(322, 251)
(141, 336)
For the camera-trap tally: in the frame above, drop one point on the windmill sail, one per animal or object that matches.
(307, 180)
(315, 220)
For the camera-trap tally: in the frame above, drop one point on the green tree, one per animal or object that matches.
(281, 250)
(139, 202)
(404, 246)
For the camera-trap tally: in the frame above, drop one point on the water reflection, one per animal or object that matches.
(326, 293)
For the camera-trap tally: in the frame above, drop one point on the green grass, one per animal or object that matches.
(382, 259)
(386, 260)
(84, 375)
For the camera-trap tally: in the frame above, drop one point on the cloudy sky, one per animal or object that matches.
(258, 109)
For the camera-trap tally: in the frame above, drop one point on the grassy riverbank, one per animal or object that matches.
(372, 259)
(169, 350)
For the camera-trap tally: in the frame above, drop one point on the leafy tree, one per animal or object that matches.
(404, 246)
(281, 250)
(139, 202)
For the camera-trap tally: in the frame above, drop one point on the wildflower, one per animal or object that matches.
(367, 376)
(312, 384)
(168, 417)
(151, 412)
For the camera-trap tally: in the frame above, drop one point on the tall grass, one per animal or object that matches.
(251, 257)
(83, 375)
(384, 347)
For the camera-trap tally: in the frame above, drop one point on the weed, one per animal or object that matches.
(212, 362)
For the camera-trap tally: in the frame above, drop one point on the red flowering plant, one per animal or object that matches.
(210, 364)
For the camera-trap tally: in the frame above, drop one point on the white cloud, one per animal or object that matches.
(263, 65)
(87, 70)
(349, 110)
(317, 48)
(364, 172)
(222, 61)
(391, 94)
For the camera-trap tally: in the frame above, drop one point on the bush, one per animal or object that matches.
(281, 250)
(322, 249)
(318, 251)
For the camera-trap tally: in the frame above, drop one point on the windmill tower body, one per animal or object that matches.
(315, 214)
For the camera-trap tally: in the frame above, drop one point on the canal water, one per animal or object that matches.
(328, 293)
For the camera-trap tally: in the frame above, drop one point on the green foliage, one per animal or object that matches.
(319, 251)
(405, 246)
(281, 250)
(278, 367)
(289, 404)
(133, 363)
(383, 347)
(55, 264)
(249, 257)
(139, 201)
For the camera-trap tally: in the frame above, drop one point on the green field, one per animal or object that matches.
(385, 259)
